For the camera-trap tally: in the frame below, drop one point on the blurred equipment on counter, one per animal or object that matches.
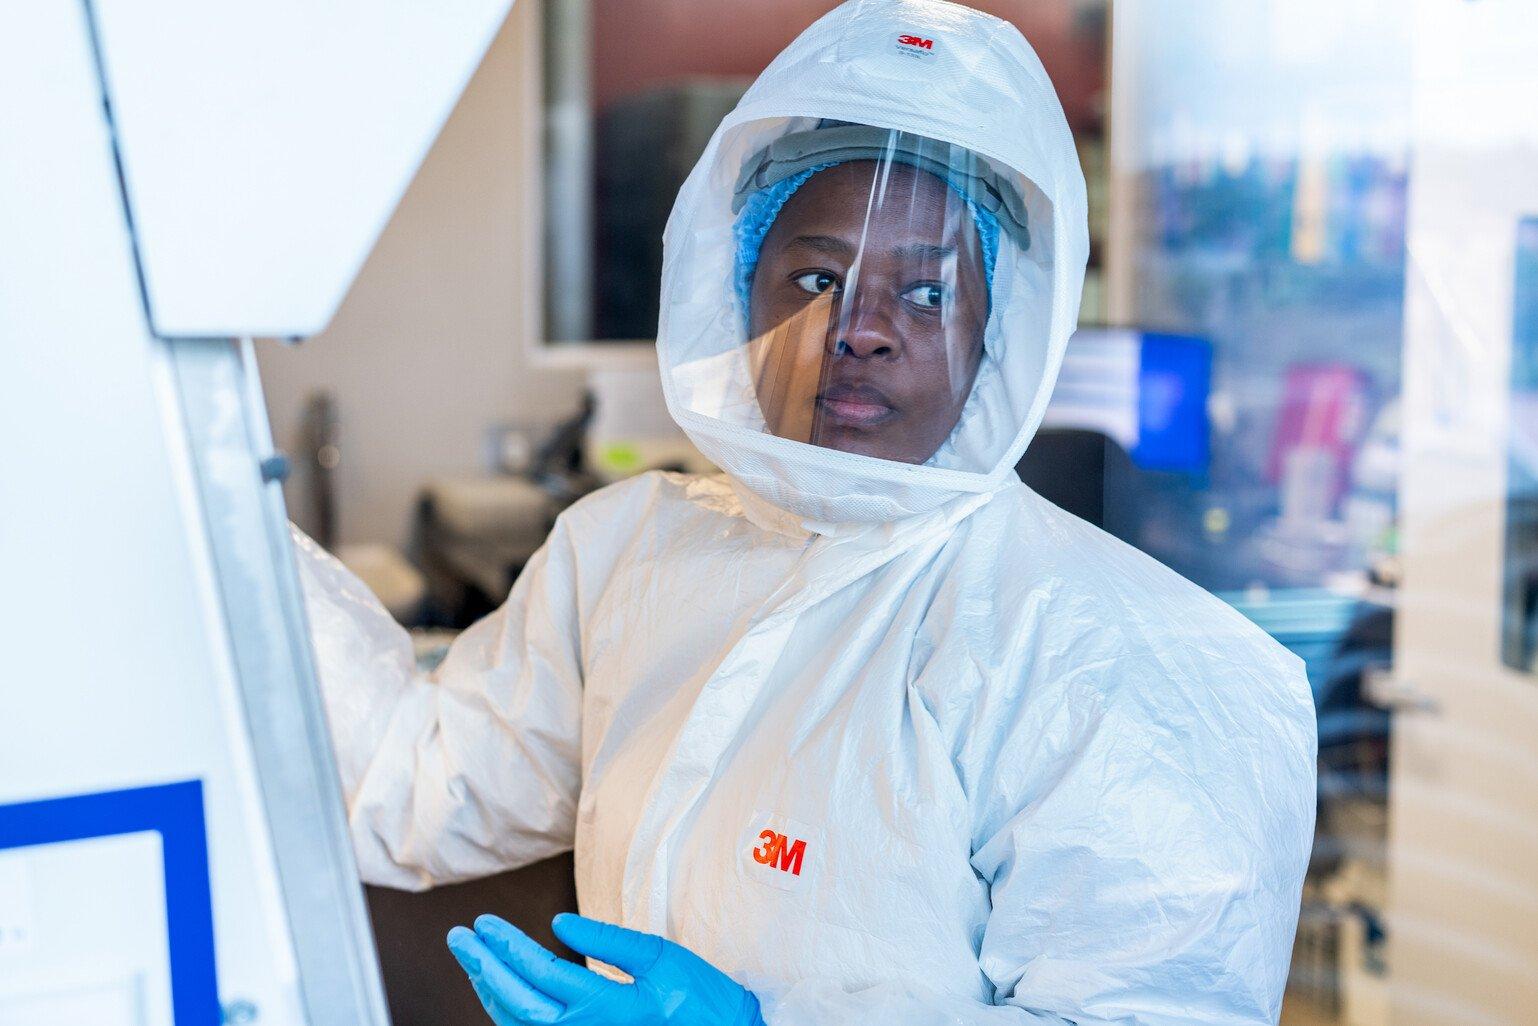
(473, 536)
(398, 584)
(631, 428)
(559, 464)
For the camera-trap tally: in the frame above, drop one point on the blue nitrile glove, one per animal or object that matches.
(521, 983)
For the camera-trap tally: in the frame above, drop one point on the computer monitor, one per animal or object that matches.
(1147, 390)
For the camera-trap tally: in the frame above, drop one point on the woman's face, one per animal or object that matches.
(877, 355)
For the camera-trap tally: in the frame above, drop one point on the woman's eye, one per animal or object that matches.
(817, 282)
(927, 295)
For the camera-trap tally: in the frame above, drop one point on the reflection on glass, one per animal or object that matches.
(1282, 203)
(1278, 261)
(1263, 160)
(788, 370)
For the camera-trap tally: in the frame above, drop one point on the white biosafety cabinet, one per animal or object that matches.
(175, 179)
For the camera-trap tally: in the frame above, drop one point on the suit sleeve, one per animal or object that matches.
(472, 769)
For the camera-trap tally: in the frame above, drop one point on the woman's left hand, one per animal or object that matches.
(521, 983)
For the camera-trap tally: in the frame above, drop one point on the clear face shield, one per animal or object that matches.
(863, 278)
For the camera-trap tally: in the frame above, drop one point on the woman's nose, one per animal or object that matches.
(863, 329)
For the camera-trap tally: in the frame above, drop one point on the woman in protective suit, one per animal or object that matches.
(866, 729)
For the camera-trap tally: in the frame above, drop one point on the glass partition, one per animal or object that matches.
(1338, 197)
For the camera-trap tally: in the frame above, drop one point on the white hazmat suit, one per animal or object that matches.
(887, 743)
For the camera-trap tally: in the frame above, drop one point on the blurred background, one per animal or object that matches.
(1305, 379)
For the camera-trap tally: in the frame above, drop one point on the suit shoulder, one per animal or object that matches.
(1083, 562)
(628, 497)
(1064, 592)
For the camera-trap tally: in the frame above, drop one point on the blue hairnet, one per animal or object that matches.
(761, 209)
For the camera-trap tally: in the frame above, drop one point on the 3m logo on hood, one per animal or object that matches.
(915, 46)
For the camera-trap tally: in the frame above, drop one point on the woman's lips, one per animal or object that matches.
(855, 405)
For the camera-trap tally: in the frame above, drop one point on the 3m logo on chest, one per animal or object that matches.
(780, 852)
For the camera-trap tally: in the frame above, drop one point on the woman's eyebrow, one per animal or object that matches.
(834, 246)
(830, 245)
(924, 251)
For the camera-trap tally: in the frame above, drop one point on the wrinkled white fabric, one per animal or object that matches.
(889, 744)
